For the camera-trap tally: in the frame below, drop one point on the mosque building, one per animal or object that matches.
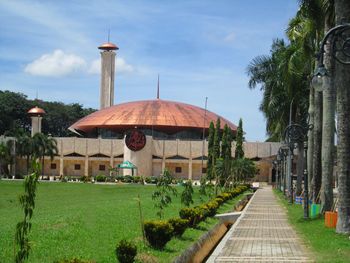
(151, 134)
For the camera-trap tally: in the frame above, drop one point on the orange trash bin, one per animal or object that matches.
(330, 219)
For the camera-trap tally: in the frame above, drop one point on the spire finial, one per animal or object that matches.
(109, 32)
(158, 88)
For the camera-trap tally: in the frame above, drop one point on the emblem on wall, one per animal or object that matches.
(135, 140)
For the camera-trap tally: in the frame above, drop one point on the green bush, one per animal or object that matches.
(126, 251)
(158, 233)
(137, 179)
(128, 179)
(194, 215)
(85, 179)
(179, 225)
(101, 178)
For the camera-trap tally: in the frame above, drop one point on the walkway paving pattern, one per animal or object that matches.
(261, 234)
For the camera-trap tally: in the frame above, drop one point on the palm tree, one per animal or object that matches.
(44, 145)
(25, 148)
(342, 80)
(328, 126)
(243, 169)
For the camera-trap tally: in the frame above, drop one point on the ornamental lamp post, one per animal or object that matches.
(340, 51)
(294, 134)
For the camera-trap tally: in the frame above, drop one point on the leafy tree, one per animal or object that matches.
(5, 157)
(58, 117)
(162, 195)
(186, 195)
(239, 153)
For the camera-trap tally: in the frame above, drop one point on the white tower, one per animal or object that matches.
(107, 74)
(36, 115)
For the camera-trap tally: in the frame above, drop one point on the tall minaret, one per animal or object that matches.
(36, 115)
(107, 74)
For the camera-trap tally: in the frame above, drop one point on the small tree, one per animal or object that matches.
(162, 195)
(27, 201)
(186, 196)
(239, 153)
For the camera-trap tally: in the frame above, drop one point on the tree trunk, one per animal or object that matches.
(342, 80)
(300, 168)
(316, 162)
(310, 135)
(328, 132)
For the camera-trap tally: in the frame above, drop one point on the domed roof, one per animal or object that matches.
(36, 111)
(108, 46)
(168, 116)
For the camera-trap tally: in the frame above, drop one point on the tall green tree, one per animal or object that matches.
(210, 161)
(217, 139)
(239, 152)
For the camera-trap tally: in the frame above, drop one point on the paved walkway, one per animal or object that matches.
(261, 234)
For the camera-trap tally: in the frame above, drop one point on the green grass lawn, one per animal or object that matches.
(87, 220)
(324, 243)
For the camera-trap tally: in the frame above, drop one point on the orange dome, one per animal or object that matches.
(36, 111)
(167, 116)
(108, 46)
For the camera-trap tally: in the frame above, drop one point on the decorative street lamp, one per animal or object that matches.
(283, 153)
(296, 133)
(340, 51)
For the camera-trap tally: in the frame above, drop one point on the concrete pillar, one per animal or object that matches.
(86, 166)
(107, 79)
(163, 157)
(36, 124)
(190, 169)
(142, 159)
(61, 158)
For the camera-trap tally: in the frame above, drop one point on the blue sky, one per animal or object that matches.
(200, 48)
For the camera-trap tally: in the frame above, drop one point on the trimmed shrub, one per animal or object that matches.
(194, 215)
(158, 233)
(219, 200)
(126, 251)
(179, 225)
(210, 208)
(101, 178)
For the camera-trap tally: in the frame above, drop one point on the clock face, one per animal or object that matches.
(135, 140)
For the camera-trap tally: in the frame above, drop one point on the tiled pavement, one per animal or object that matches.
(261, 234)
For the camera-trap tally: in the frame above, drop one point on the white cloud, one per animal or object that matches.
(55, 64)
(120, 66)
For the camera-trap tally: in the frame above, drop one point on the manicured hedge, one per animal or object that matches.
(158, 233)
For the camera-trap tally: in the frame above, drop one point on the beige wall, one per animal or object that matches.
(148, 165)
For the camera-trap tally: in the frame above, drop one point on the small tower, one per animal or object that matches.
(36, 114)
(107, 74)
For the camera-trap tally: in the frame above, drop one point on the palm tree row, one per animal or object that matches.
(284, 77)
(36, 148)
